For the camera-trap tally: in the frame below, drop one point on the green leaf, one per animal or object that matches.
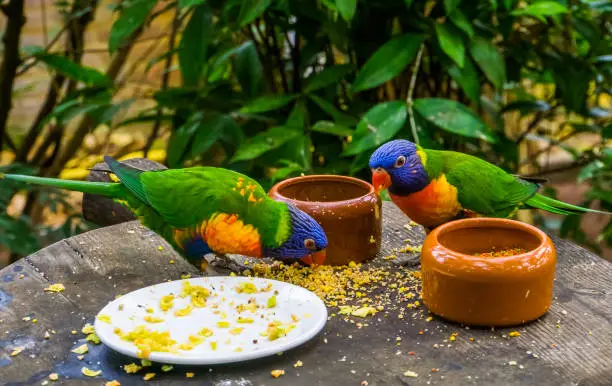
(377, 126)
(180, 139)
(462, 22)
(263, 142)
(346, 8)
(131, 16)
(249, 70)
(338, 116)
(453, 117)
(190, 3)
(329, 127)
(297, 117)
(451, 5)
(467, 78)
(541, 9)
(590, 170)
(252, 9)
(408, 3)
(451, 43)
(328, 76)
(607, 132)
(72, 70)
(194, 44)
(388, 61)
(143, 119)
(489, 60)
(209, 132)
(267, 103)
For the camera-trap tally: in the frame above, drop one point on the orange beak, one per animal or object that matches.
(317, 258)
(380, 179)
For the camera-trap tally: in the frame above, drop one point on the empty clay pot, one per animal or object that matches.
(347, 208)
(487, 291)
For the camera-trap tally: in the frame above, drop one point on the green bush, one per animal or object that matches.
(275, 88)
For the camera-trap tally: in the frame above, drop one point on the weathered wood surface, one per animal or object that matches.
(571, 345)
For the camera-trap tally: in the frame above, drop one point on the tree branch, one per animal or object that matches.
(409, 100)
(8, 69)
(176, 22)
(278, 54)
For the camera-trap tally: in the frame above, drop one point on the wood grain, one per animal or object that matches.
(571, 345)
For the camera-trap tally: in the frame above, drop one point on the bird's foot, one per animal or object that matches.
(215, 264)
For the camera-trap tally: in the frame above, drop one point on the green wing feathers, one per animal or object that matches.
(481, 187)
(539, 201)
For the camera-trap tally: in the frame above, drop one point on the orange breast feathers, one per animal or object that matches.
(435, 204)
(225, 233)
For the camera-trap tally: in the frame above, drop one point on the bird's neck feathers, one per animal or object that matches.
(277, 223)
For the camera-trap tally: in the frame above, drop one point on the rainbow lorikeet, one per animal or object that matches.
(435, 186)
(201, 210)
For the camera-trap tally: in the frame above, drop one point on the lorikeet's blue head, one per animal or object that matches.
(396, 165)
(306, 242)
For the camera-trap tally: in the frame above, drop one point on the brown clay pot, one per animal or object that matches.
(487, 291)
(348, 209)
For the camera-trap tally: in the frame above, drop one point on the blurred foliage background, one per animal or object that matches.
(276, 88)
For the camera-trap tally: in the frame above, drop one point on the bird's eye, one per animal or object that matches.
(310, 244)
(400, 161)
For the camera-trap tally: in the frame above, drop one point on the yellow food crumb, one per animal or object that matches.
(73, 332)
(295, 318)
(411, 374)
(150, 310)
(53, 376)
(238, 349)
(88, 329)
(152, 319)
(166, 368)
(112, 383)
(198, 294)
(272, 301)
(223, 324)
(453, 336)
(244, 320)
(148, 341)
(189, 375)
(186, 276)
(514, 334)
(166, 302)
(298, 364)
(278, 330)
(82, 349)
(236, 331)
(146, 363)
(57, 287)
(160, 248)
(90, 373)
(148, 376)
(131, 368)
(93, 338)
(213, 345)
(246, 287)
(277, 373)
(185, 311)
(206, 332)
(16, 351)
(104, 318)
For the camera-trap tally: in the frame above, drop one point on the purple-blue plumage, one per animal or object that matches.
(400, 160)
(303, 228)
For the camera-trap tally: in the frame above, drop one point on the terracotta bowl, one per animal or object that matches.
(487, 291)
(348, 209)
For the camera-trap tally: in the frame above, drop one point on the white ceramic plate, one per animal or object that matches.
(128, 312)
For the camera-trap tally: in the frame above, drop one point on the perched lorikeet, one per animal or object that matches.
(434, 186)
(204, 209)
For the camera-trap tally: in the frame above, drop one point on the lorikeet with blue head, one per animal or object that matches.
(200, 210)
(436, 186)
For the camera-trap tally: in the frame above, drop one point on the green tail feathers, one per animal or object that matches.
(559, 207)
(107, 189)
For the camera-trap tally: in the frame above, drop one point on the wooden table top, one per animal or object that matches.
(570, 345)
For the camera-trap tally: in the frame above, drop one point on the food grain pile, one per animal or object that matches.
(354, 289)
